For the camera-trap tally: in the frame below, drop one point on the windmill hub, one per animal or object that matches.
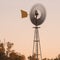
(37, 14)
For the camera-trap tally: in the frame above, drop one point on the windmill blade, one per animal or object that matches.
(37, 14)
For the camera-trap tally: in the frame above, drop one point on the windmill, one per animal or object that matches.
(37, 17)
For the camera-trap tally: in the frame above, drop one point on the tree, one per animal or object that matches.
(45, 59)
(9, 54)
(56, 59)
(59, 57)
(9, 46)
(33, 57)
(15, 56)
(2, 52)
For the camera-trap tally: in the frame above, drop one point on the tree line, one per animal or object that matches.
(8, 54)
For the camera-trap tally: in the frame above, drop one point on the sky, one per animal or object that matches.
(19, 31)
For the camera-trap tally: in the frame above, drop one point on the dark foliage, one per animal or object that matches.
(9, 54)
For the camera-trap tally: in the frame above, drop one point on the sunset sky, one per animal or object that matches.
(19, 31)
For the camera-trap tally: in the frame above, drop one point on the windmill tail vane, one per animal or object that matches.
(24, 14)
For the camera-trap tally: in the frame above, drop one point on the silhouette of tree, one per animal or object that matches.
(15, 56)
(8, 54)
(59, 57)
(51, 59)
(30, 57)
(45, 59)
(33, 57)
(2, 52)
(2, 49)
(9, 46)
(22, 57)
(56, 59)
